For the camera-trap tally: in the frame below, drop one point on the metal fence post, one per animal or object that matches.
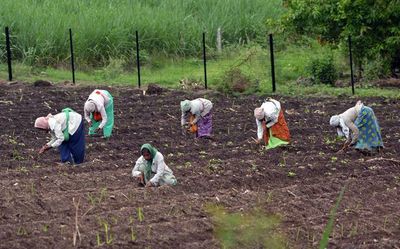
(10, 76)
(137, 57)
(72, 56)
(205, 60)
(351, 66)
(271, 49)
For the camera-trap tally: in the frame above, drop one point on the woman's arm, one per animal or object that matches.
(260, 130)
(136, 170)
(58, 136)
(103, 113)
(160, 164)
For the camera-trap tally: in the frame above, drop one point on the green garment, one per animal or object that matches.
(107, 129)
(153, 151)
(274, 142)
(65, 131)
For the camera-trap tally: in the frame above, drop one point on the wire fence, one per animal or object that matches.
(269, 63)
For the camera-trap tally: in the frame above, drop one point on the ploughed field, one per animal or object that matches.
(300, 183)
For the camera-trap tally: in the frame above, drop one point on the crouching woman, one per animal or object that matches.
(67, 134)
(150, 169)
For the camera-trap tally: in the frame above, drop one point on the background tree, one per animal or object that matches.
(374, 26)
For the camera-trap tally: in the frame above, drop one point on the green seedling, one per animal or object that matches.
(45, 228)
(333, 159)
(97, 200)
(107, 233)
(92, 199)
(298, 233)
(98, 239)
(149, 232)
(291, 174)
(140, 214)
(114, 220)
(23, 169)
(353, 230)
(269, 196)
(16, 155)
(283, 163)
(33, 190)
(214, 165)
(107, 230)
(21, 231)
(385, 222)
(133, 234)
(254, 167)
(131, 222)
(103, 195)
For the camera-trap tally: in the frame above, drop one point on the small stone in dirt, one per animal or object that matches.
(41, 83)
(154, 89)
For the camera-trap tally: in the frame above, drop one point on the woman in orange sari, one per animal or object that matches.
(271, 124)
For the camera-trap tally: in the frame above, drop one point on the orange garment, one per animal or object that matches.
(193, 127)
(97, 116)
(279, 130)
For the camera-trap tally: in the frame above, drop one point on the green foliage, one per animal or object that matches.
(376, 69)
(106, 29)
(323, 70)
(329, 226)
(140, 214)
(245, 230)
(108, 236)
(373, 25)
(234, 81)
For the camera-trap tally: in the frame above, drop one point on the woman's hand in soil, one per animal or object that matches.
(44, 148)
(343, 150)
(149, 184)
(141, 178)
(183, 130)
(90, 123)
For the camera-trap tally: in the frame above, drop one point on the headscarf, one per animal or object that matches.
(43, 122)
(259, 113)
(89, 106)
(185, 105)
(342, 129)
(147, 170)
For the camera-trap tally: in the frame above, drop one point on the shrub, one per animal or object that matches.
(323, 70)
(234, 81)
(376, 69)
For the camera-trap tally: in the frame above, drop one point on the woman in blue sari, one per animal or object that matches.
(360, 127)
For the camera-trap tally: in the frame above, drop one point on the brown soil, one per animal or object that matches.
(36, 200)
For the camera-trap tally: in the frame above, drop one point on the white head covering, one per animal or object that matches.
(342, 129)
(259, 113)
(185, 105)
(90, 106)
(335, 120)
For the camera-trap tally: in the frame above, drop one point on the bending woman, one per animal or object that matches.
(271, 124)
(360, 127)
(99, 112)
(199, 114)
(67, 133)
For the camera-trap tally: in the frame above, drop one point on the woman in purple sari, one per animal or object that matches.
(198, 116)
